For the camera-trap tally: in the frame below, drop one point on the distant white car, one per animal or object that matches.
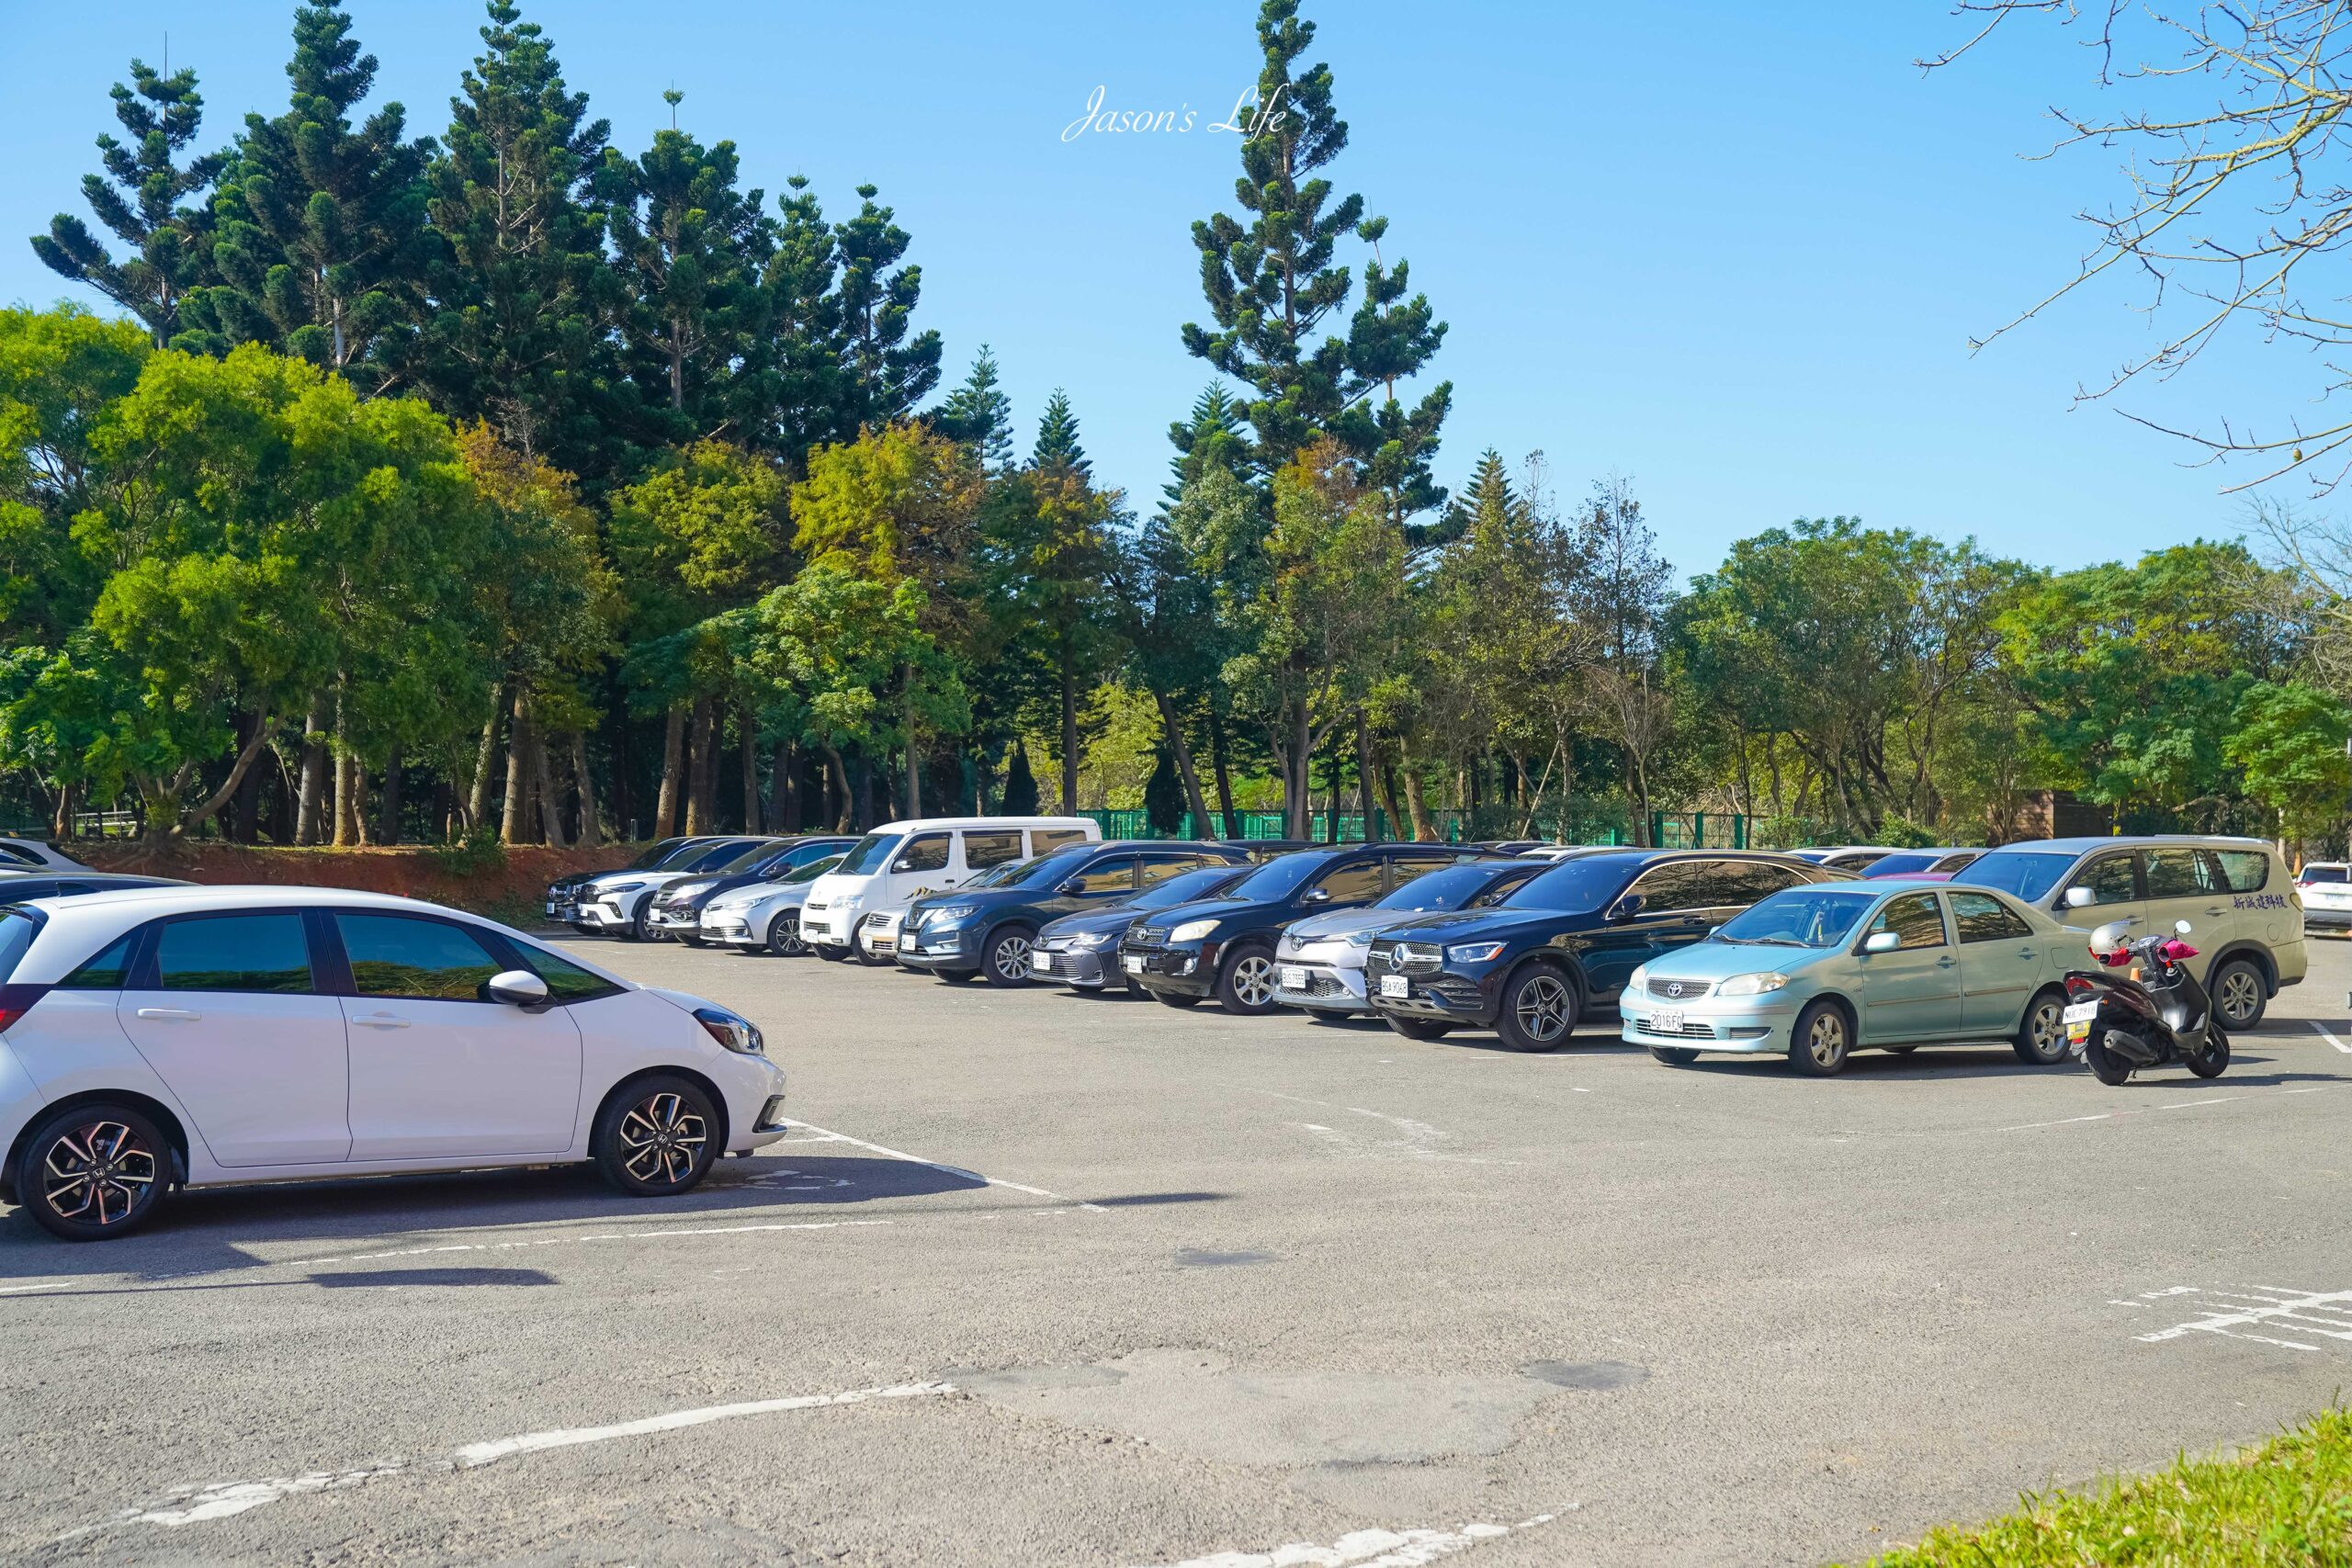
(33, 854)
(620, 903)
(172, 1037)
(764, 914)
(2326, 889)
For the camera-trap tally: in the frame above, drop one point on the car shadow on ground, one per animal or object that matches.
(206, 1230)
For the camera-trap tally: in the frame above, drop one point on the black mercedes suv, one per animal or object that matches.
(1224, 946)
(989, 930)
(1564, 943)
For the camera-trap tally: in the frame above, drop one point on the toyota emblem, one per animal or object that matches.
(1674, 988)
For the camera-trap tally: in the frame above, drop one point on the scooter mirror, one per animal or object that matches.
(2181, 926)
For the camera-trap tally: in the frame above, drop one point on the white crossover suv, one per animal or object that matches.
(190, 1037)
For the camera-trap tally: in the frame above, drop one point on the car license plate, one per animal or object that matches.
(1131, 963)
(1667, 1020)
(2081, 1012)
(1293, 977)
(1396, 986)
(1041, 962)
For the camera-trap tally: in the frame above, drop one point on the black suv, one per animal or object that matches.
(1224, 946)
(1564, 943)
(989, 927)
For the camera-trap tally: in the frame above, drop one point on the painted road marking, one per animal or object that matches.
(821, 1135)
(2328, 1036)
(2171, 1105)
(2326, 1315)
(1372, 1548)
(225, 1499)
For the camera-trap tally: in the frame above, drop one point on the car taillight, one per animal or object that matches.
(14, 1002)
(2078, 986)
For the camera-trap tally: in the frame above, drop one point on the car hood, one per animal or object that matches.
(1715, 959)
(1204, 909)
(1333, 924)
(787, 894)
(1456, 924)
(1100, 917)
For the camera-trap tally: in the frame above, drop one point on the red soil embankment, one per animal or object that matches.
(515, 880)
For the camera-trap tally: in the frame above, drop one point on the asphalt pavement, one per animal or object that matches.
(1050, 1279)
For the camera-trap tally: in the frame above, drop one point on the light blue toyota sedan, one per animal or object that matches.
(1817, 973)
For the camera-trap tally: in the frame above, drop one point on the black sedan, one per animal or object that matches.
(990, 929)
(1563, 945)
(1082, 950)
(1223, 947)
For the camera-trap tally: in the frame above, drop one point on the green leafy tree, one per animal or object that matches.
(59, 371)
(322, 246)
(2289, 739)
(143, 199)
(692, 247)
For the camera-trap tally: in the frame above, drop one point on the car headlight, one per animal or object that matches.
(1751, 984)
(611, 887)
(739, 1035)
(853, 901)
(1193, 931)
(1633, 981)
(1475, 952)
(954, 912)
(1094, 939)
(1360, 939)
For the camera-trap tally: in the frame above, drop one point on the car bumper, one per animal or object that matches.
(1440, 993)
(731, 930)
(687, 922)
(1738, 1025)
(923, 949)
(601, 918)
(1177, 971)
(1087, 968)
(1322, 987)
(755, 1104)
(829, 927)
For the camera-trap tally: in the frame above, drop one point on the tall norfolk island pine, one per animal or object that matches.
(170, 243)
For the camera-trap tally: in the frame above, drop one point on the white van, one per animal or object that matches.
(855, 907)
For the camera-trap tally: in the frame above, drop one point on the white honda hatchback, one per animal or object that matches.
(188, 1037)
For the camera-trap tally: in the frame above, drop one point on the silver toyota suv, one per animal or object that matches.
(2245, 918)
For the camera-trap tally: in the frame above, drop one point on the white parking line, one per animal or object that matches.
(1372, 1548)
(224, 1499)
(822, 1134)
(2290, 1310)
(2328, 1036)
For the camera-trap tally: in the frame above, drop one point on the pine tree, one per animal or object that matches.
(170, 243)
(692, 248)
(1020, 784)
(889, 372)
(523, 295)
(1214, 435)
(323, 248)
(1057, 450)
(979, 415)
(1271, 285)
(808, 387)
(1163, 795)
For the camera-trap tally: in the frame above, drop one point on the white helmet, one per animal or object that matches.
(2111, 937)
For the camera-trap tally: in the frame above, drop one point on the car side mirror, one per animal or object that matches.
(518, 989)
(1882, 941)
(1625, 909)
(1076, 884)
(2181, 926)
(2079, 897)
(902, 865)
(1316, 895)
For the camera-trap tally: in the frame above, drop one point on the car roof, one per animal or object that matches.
(934, 824)
(188, 897)
(2086, 843)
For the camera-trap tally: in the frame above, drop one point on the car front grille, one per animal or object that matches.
(1679, 990)
(1688, 1031)
(1148, 936)
(1401, 957)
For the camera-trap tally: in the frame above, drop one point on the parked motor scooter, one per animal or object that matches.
(2150, 1014)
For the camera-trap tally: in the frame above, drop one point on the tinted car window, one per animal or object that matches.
(1279, 877)
(2174, 874)
(1913, 918)
(1682, 885)
(1904, 865)
(396, 956)
(109, 971)
(2028, 874)
(1205, 883)
(233, 953)
(1043, 838)
(1407, 868)
(1450, 888)
(869, 854)
(1982, 917)
(2313, 874)
(1744, 881)
(1114, 875)
(712, 856)
(2109, 879)
(1574, 886)
(1158, 869)
(2243, 871)
(17, 933)
(1357, 882)
(984, 850)
(924, 851)
(11, 855)
(566, 981)
(813, 871)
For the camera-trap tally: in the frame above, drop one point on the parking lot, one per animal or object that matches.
(1047, 1279)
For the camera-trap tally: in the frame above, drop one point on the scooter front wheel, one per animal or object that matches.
(2208, 1060)
(2105, 1065)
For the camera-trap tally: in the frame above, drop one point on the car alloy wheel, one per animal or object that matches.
(2041, 1037)
(1822, 1040)
(1253, 981)
(92, 1172)
(784, 935)
(661, 1140)
(1008, 957)
(1545, 1009)
(2238, 994)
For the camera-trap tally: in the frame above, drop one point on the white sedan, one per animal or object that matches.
(191, 1037)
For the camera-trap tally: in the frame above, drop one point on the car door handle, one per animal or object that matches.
(381, 1021)
(1945, 962)
(2029, 953)
(170, 1012)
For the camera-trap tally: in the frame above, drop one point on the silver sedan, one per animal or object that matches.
(1817, 973)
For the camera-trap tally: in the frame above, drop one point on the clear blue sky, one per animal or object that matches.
(1733, 252)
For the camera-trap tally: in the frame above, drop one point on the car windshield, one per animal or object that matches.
(1003, 874)
(1905, 865)
(868, 855)
(1187, 886)
(772, 860)
(1574, 887)
(712, 856)
(1447, 889)
(1048, 868)
(1802, 917)
(1279, 877)
(2028, 874)
(813, 871)
(655, 854)
(2322, 874)
(683, 854)
(752, 859)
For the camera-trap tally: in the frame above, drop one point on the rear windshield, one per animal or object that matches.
(655, 854)
(1280, 877)
(1441, 890)
(868, 855)
(1205, 883)
(1904, 865)
(1801, 917)
(1574, 887)
(16, 931)
(2323, 874)
(2028, 874)
(813, 870)
(752, 859)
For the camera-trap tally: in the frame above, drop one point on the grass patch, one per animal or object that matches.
(2288, 1502)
